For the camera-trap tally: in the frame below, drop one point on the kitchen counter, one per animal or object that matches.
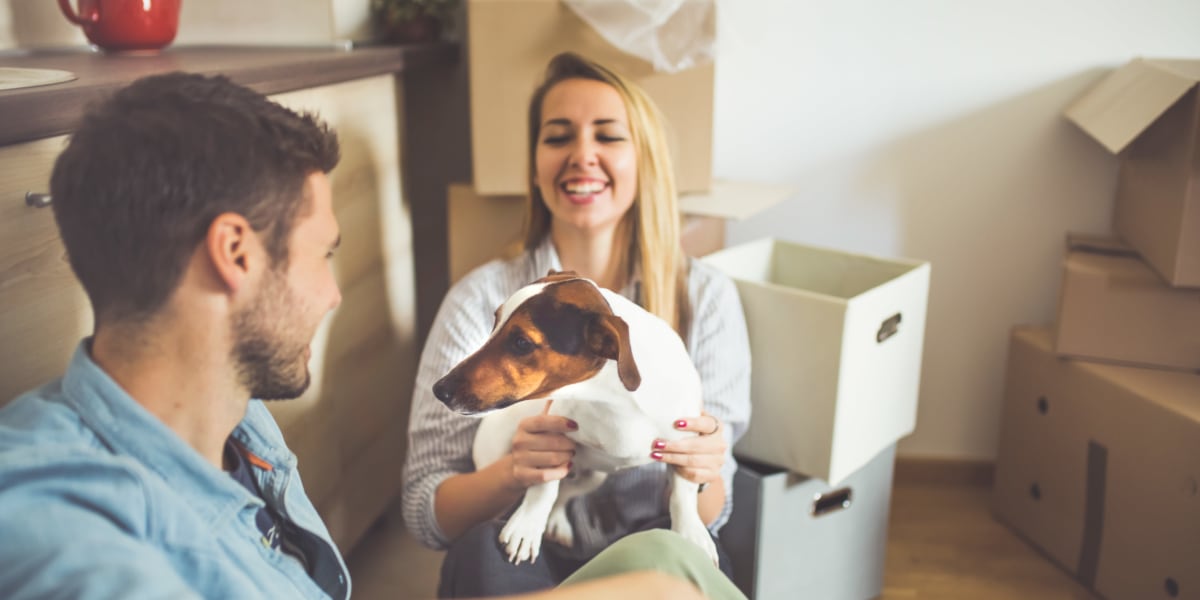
(42, 111)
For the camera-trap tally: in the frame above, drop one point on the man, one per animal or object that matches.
(198, 216)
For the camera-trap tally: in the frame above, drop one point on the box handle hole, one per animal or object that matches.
(888, 328)
(831, 501)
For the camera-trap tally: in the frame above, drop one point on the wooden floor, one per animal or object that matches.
(943, 543)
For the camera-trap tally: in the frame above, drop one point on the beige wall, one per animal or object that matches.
(933, 130)
(38, 23)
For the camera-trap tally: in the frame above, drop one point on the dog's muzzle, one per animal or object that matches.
(451, 391)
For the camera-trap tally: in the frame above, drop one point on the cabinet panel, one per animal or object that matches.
(43, 310)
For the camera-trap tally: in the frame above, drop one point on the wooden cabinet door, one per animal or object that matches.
(43, 310)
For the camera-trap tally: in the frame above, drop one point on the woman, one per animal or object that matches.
(602, 203)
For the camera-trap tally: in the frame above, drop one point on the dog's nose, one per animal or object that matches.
(443, 390)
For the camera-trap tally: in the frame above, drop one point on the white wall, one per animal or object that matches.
(932, 129)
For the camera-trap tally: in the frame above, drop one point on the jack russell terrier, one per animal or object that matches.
(620, 372)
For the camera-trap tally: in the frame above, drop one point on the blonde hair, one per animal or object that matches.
(648, 234)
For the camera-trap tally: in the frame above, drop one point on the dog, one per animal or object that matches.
(619, 371)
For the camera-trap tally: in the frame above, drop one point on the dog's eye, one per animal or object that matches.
(520, 345)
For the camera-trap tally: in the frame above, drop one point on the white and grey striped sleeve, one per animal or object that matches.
(440, 440)
(720, 349)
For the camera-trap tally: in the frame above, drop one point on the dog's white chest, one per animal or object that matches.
(611, 439)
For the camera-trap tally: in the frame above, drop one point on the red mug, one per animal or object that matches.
(120, 25)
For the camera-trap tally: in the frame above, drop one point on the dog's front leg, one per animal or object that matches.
(522, 534)
(685, 515)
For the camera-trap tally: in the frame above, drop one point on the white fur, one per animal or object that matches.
(616, 430)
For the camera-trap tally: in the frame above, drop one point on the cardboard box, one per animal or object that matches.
(792, 536)
(481, 228)
(1148, 113)
(1114, 307)
(1098, 466)
(509, 44)
(836, 340)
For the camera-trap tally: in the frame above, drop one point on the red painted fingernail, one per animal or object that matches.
(656, 455)
(660, 444)
(570, 463)
(572, 424)
(680, 424)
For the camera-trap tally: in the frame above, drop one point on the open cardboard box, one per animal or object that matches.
(1148, 113)
(836, 339)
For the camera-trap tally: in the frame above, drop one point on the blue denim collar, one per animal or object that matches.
(128, 429)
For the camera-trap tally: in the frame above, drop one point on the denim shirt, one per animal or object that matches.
(99, 499)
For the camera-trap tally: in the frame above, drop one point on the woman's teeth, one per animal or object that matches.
(583, 188)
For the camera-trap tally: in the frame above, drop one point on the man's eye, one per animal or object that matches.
(521, 345)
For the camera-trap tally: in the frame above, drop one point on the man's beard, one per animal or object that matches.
(269, 364)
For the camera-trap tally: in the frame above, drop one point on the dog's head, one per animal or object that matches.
(551, 333)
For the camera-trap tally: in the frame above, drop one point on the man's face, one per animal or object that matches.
(273, 332)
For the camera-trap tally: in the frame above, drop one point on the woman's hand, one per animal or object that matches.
(698, 459)
(541, 451)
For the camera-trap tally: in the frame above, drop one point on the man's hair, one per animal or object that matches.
(148, 170)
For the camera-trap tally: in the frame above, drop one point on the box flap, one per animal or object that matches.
(735, 200)
(1128, 100)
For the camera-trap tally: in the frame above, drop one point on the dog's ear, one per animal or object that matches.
(608, 336)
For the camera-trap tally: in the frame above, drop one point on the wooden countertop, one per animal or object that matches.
(37, 112)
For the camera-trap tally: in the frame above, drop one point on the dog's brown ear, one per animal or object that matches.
(608, 336)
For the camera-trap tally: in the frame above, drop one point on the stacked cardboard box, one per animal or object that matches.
(1099, 453)
(837, 340)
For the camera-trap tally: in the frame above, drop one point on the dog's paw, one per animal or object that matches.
(698, 535)
(522, 539)
(558, 528)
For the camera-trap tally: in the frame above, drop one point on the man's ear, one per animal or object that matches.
(230, 246)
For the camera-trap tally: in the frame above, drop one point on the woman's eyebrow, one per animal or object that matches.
(567, 122)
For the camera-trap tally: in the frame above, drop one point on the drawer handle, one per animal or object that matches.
(37, 200)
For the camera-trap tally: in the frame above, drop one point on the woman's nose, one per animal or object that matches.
(583, 152)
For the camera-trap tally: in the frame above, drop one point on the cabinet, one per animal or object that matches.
(43, 310)
(349, 429)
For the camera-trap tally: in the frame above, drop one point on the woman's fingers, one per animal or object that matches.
(705, 424)
(540, 449)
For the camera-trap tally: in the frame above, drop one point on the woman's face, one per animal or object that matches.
(585, 163)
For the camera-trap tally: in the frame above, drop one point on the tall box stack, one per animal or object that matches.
(836, 340)
(1100, 437)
